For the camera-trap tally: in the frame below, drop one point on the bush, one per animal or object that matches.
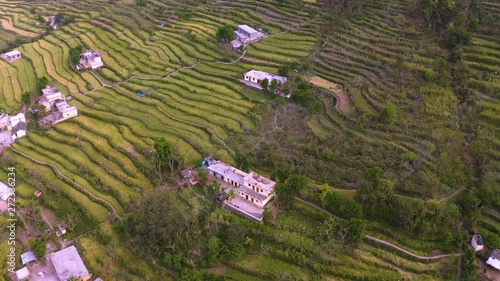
(457, 36)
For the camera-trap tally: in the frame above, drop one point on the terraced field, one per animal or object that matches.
(194, 100)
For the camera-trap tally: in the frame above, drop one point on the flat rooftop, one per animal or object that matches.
(228, 171)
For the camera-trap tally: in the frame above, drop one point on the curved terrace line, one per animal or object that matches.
(88, 192)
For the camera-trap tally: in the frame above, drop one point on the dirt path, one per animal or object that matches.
(381, 241)
(88, 192)
(6, 25)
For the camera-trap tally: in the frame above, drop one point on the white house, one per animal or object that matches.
(90, 59)
(5, 191)
(63, 111)
(477, 242)
(494, 259)
(256, 77)
(250, 186)
(22, 273)
(11, 56)
(17, 126)
(246, 34)
(50, 95)
(55, 101)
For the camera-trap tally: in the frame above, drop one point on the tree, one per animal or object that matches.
(157, 222)
(388, 114)
(232, 194)
(42, 82)
(457, 37)
(26, 98)
(141, 2)
(274, 85)
(164, 156)
(225, 33)
(244, 162)
(280, 174)
(59, 19)
(438, 13)
(355, 230)
(287, 191)
(74, 54)
(284, 69)
(265, 83)
(202, 176)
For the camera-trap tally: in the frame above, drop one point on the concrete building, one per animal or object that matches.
(250, 186)
(90, 59)
(11, 56)
(244, 35)
(494, 259)
(22, 273)
(68, 263)
(477, 242)
(55, 102)
(256, 77)
(50, 95)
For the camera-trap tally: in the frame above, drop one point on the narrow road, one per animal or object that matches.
(88, 192)
(381, 241)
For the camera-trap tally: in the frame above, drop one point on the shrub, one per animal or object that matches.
(457, 36)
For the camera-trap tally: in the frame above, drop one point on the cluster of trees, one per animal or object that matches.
(335, 233)
(37, 246)
(163, 229)
(74, 54)
(225, 33)
(165, 156)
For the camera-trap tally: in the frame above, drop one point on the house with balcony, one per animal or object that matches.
(254, 188)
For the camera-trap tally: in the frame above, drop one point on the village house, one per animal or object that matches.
(22, 273)
(28, 257)
(11, 56)
(245, 34)
(255, 78)
(68, 263)
(17, 126)
(494, 259)
(90, 59)
(55, 102)
(477, 242)
(50, 95)
(251, 186)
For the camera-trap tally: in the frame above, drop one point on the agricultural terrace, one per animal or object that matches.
(169, 52)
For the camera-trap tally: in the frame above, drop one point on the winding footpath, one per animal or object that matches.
(88, 192)
(381, 241)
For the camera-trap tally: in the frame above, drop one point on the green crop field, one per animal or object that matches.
(402, 101)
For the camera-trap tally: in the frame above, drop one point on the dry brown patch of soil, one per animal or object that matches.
(344, 101)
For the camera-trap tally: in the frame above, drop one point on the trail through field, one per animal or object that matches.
(88, 192)
(381, 241)
(43, 213)
(6, 25)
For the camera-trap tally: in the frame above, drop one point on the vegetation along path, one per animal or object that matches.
(70, 180)
(381, 241)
